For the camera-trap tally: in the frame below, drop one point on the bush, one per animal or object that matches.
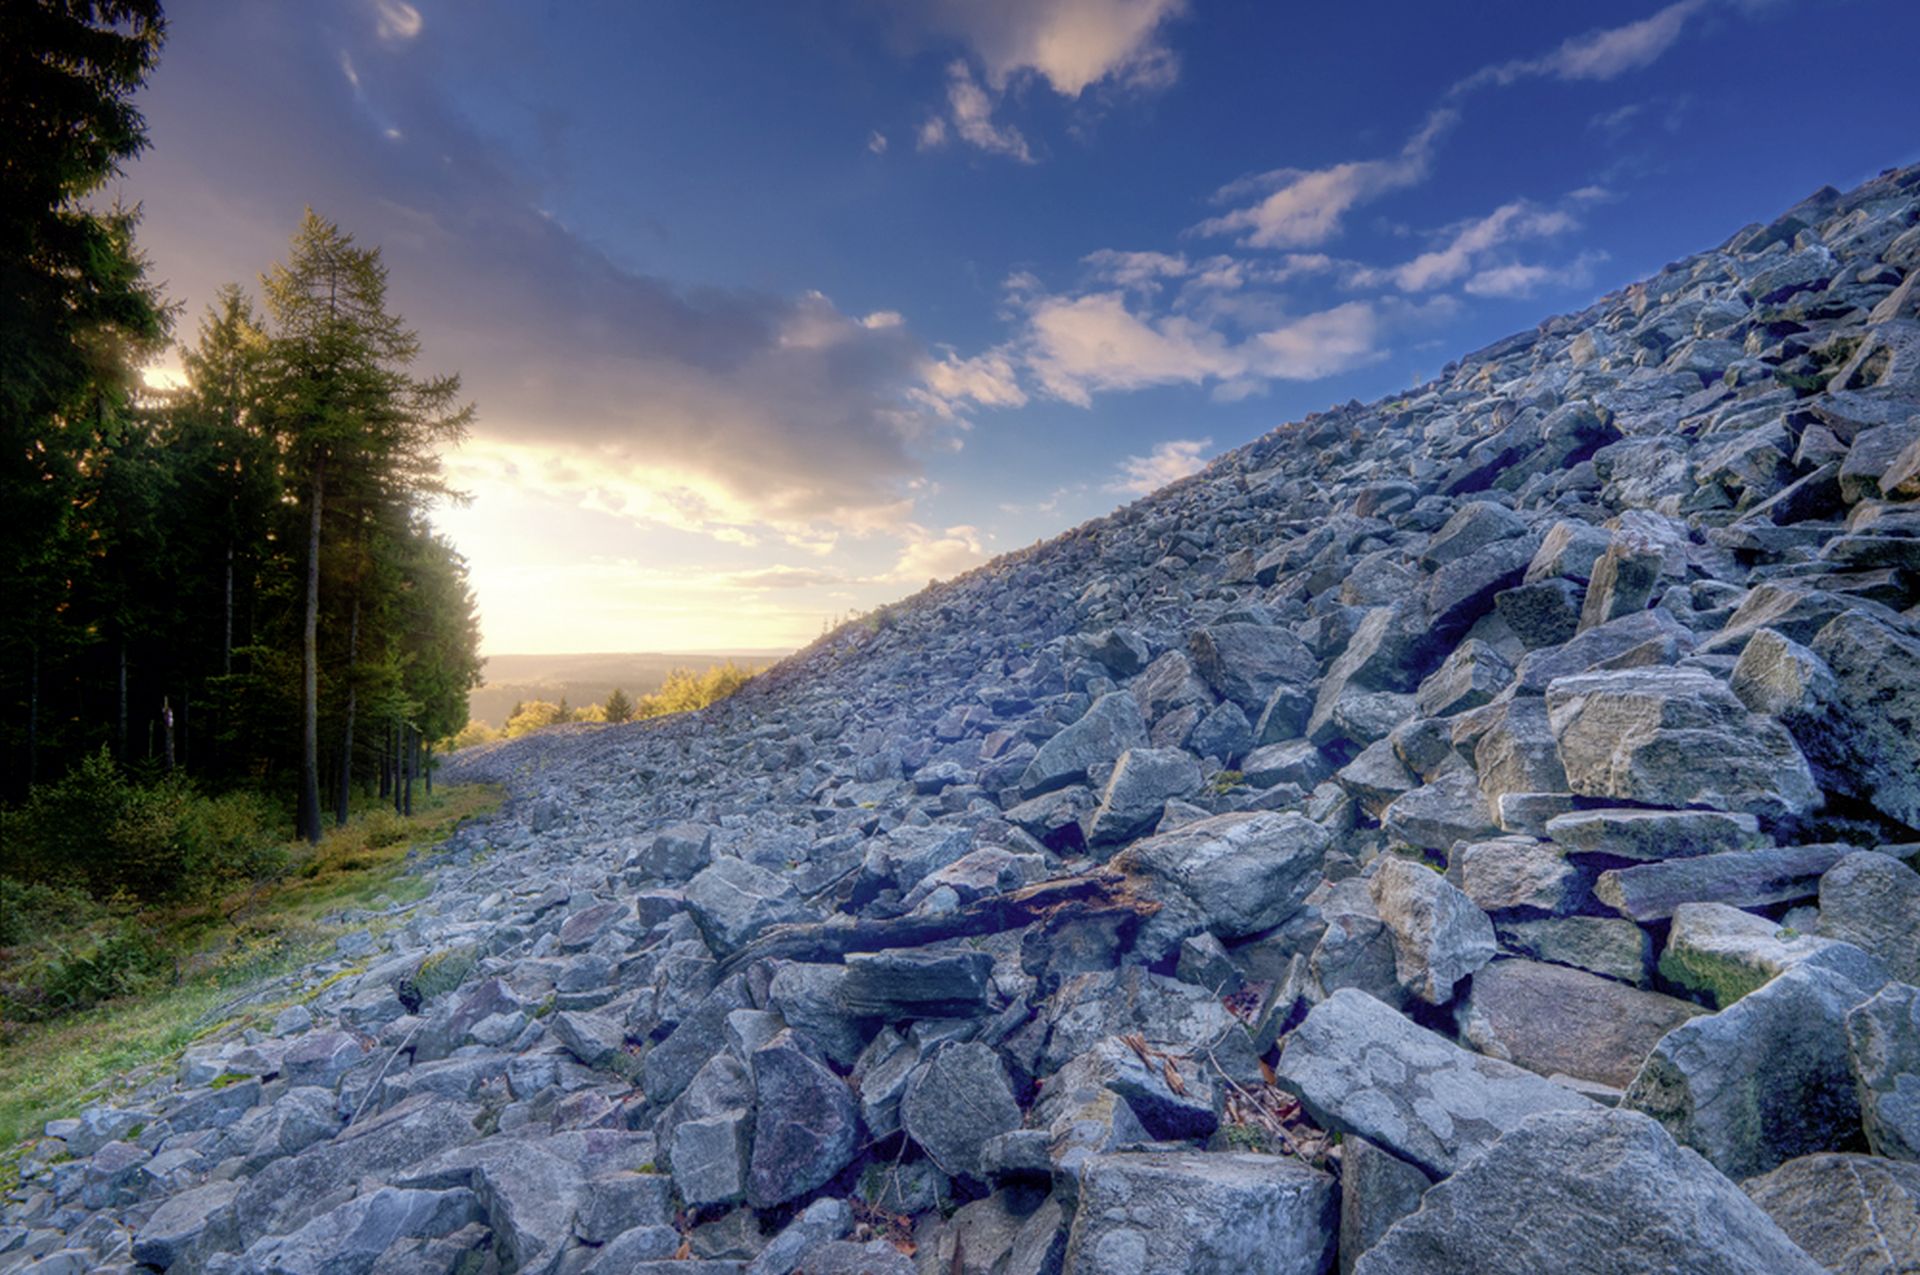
(124, 959)
(99, 831)
(31, 910)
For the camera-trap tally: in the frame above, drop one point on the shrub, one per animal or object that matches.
(122, 960)
(30, 910)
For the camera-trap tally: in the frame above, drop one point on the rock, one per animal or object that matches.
(1675, 737)
(1741, 878)
(1586, 1192)
(1876, 668)
(1624, 579)
(1377, 1189)
(1872, 901)
(1294, 762)
(592, 1038)
(1568, 552)
(616, 1204)
(1113, 725)
(1160, 1211)
(709, 1157)
(1847, 1212)
(1359, 1067)
(821, 1222)
(911, 983)
(1723, 953)
(1519, 874)
(805, 1125)
(1655, 835)
(1473, 526)
(1223, 734)
(321, 1058)
(732, 901)
(1055, 819)
(812, 999)
(957, 1101)
(1608, 946)
(1144, 780)
(1357, 949)
(353, 1236)
(675, 853)
(1463, 590)
(1189, 1112)
(1451, 808)
(1560, 1021)
(188, 1227)
(1242, 873)
(671, 1064)
(1873, 453)
(1245, 663)
(1883, 1045)
(1439, 936)
(1767, 1078)
(1468, 678)
(1542, 614)
(1513, 748)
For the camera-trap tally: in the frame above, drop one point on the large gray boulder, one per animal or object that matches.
(1876, 669)
(1439, 936)
(955, 1103)
(1586, 1192)
(1245, 663)
(1207, 1214)
(1653, 835)
(1675, 737)
(1872, 901)
(1143, 781)
(1560, 1021)
(732, 901)
(1241, 873)
(1721, 953)
(1742, 878)
(1767, 1078)
(1113, 725)
(352, 1237)
(1883, 1044)
(1852, 1213)
(1360, 1067)
(806, 1126)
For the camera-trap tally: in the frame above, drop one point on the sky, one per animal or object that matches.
(776, 311)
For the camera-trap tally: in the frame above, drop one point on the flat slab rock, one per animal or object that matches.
(1360, 1067)
(1586, 1192)
(1559, 1021)
(1852, 1213)
(1200, 1212)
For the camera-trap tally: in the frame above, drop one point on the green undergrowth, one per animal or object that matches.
(143, 983)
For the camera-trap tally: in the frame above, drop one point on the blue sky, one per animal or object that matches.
(777, 310)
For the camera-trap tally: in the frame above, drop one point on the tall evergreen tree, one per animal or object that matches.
(338, 394)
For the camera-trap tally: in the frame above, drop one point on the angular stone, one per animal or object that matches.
(1055, 819)
(956, 1102)
(1377, 1189)
(1243, 872)
(1586, 1192)
(675, 853)
(1723, 953)
(1439, 936)
(1876, 668)
(1560, 1021)
(1883, 1045)
(1542, 614)
(1357, 949)
(1568, 552)
(1852, 1213)
(1245, 663)
(732, 901)
(1359, 1067)
(1656, 835)
(1113, 725)
(1163, 1211)
(1608, 946)
(1468, 678)
(1767, 1078)
(709, 1158)
(1190, 1112)
(1474, 525)
(1514, 749)
(1643, 630)
(1519, 874)
(1294, 762)
(1624, 579)
(1434, 816)
(1143, 781)
(353, 1236)
(1675, 737)
(806, 1127)
(1463, 590)
(908, 983)
(1742, 878)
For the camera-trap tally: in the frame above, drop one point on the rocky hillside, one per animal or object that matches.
(1473, 832)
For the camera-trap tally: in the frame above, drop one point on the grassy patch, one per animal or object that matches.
(216, 951)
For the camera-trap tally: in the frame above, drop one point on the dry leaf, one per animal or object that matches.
(1174, 1082)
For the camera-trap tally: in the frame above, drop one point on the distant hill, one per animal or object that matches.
(590, 678)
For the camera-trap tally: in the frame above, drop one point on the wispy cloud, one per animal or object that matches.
(1071, 45)
(1469, 243)
(1601, 54)
(1168, 462)
(1305, 207)
(970, 118)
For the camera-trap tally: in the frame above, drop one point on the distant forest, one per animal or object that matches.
(581, 680)
(234, 584)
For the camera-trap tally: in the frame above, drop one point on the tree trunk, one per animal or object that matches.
(426, 766)
(386, 761)
(166, 724)
(310, 667)
(120, 730)
(33, 714)
(226, 634)
(407, 742)
(346, 740)
(399, 751)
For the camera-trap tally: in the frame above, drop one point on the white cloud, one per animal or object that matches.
(1602, 54)
(1071, 44)
(1167, 462)
(938, 557)
(1304, 207)
(1135, 269)
(877, 142)
(932, 134)
(971, 113)
(1509, 223)
(1516, 280)
(987, 379)
(396, 21)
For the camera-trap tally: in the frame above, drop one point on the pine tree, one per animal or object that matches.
(619, 707)
(349, 417)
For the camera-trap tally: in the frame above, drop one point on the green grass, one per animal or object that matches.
(222, 949)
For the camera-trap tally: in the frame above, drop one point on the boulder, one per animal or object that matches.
(1359, 1067)
(1654, 835)
(1377, 1189)
(956, 1102)
(1561, 1021)
(908, 983)
(1872, 901)
(1242, 872)
(1675, 737)
(1876, 669)
(1245, 663)
(1168, 1211)
(1609, 946)
(732, 901)
(1518, 874)
(1883, 1044)
(1721, 953)
(1113, 725)
(1767, 1078)
(1586, 1191)
(1435, 815)
(806, 1127)
(1439, 936)
(1143, 781)
(1741, 878)
(1851, 1213)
